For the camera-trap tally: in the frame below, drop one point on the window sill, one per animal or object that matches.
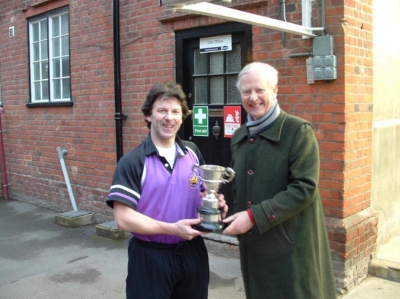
(50, 104)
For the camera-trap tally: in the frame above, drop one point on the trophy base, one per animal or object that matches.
(209, 227)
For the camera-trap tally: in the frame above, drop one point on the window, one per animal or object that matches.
(215, 76)
(49, 58)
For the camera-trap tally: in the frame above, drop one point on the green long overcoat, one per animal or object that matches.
(286, 255)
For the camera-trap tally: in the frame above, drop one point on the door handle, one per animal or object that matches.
(216, 130)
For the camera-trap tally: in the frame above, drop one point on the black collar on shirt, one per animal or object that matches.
(150, 147)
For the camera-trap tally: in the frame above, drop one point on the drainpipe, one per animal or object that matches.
(61, 154)
(283, 14)
(118, 115)
(323, 15)
(3, 159)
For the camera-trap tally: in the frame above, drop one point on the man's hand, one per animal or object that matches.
(130, 220)
(222, 206)
(239, 224)
(183, 228)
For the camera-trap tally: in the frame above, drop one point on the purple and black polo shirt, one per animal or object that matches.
(145, 182)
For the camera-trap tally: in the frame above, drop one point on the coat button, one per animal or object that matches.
(249, 234)
(249, 172)
(272, 218)
(251, 140)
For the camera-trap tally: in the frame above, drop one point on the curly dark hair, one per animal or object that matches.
(165, 90)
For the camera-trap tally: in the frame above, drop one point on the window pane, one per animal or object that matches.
(65, 45)
(45, 70)
(200, 63)
(64, 24)
(66, 89)
(200, 91)
(217, 90)
(217, 63)
(65, 67)
(55, 26)
(55, 47)
(43, 50)
(45, 90)
(56, 89)
(56, 68)
(35, 32)
(36, 71)
(233, 59)
(43, 30)
(36, 87)
(233, 95)
(35, 52)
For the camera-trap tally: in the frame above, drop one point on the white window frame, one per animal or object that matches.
(49, 58)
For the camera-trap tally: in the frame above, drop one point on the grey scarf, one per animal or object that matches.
(257, 126)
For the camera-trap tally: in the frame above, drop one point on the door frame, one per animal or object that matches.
(183, 36)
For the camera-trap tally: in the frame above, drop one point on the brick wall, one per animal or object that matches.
(358, 221)
(86, 130)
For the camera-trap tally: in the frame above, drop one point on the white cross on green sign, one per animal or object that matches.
(200, 121)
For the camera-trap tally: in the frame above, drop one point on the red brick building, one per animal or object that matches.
(68, 81)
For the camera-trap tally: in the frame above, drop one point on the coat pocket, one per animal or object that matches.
(273, 241)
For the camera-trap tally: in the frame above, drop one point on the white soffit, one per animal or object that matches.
(219, 11)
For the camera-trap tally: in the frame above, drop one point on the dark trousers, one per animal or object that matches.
(163, 271)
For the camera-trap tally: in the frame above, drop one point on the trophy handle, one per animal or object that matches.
(229, 174)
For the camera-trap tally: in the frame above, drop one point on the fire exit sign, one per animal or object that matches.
(200, 121)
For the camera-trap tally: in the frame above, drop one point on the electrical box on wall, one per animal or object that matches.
(324, 67)
(323, 61)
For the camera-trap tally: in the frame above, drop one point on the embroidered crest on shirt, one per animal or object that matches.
(193, 180)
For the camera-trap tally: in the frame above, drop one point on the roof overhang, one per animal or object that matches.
(226, 13)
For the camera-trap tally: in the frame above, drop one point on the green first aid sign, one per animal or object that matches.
(200, 121)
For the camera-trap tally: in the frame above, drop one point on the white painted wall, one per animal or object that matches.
(386, 124)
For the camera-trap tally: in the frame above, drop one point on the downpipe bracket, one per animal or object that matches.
(120, 116)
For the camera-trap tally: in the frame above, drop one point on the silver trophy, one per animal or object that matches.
(211, 177)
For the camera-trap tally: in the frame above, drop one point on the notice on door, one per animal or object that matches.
(232, 120)
(200, 121)
(216, 44)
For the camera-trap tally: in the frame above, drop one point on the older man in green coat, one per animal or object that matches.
(284, 248)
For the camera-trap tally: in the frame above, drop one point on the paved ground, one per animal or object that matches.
(374, 288)
(39, 259)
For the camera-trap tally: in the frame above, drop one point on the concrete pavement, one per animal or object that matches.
(384, 279)
(374, 288)
(40, 259)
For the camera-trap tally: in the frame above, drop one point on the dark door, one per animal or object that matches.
(209, 79)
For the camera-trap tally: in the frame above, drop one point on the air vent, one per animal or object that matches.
(11, 31)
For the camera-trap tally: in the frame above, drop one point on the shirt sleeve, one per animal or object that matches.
(126, 185)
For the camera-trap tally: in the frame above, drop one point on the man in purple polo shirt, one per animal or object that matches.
(152, 198)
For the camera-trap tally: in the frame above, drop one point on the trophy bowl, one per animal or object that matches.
(211, 177)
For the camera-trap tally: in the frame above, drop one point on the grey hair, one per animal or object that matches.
(268, 73)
